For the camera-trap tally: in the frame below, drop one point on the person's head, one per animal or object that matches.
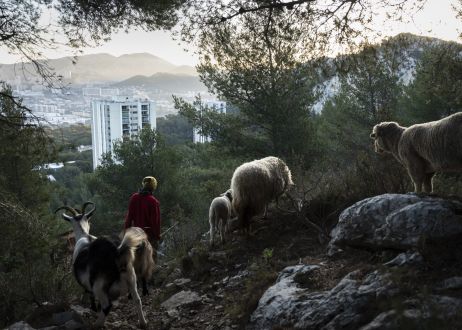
(149, 183)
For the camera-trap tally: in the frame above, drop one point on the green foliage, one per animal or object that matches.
(274, 94)
(241, 306)
(33, 266)
(175, 129)
(73, 136)
(32, 270)
(70, 187)
(326, 26)
(369, 94)
(436, 91)
(24, 146)
(103, 17)
(267, 254)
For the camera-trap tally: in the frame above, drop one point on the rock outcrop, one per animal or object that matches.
(382, 295)
(286, 304)
(396, 221)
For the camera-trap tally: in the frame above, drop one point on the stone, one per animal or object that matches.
(173, 313)
(419, 311)
(396, 221)
(219, 256)
(408, 258)
(20, 326)
(175, 274)
(42, 316)
(74, 325)
(61, 318)
(285, 304)
(181, 298)
(82, 311)
(237, 279)
(386, 320)
(452, 283)
(182, 281)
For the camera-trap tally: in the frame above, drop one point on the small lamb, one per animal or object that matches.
(219, 216)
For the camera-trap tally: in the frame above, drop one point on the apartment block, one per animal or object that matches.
(116, 119)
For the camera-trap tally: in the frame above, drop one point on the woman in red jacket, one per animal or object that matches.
(144, 211)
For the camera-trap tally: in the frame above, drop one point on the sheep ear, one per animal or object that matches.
(373, 135)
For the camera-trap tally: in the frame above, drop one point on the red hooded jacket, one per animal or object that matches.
(144, 212)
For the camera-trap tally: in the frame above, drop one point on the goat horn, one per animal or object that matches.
(68, 208)
(89, 213)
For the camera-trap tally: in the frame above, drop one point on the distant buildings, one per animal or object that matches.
(219, 106)
(116, 119)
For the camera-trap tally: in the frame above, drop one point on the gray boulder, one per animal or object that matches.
(436, 312)
(287, 304)
(408, 258)
(396, 221)
(20, 326)
(182, 298)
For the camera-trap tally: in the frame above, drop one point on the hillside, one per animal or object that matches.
(405, 48)
(97, 68)
(165, 81)
(286, 279)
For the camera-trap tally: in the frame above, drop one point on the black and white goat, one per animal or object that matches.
(102, 268)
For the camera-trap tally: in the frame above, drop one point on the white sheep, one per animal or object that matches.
(423, 149)
(220, 213)
(255, 184)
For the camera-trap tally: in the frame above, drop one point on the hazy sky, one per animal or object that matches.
(437, 19)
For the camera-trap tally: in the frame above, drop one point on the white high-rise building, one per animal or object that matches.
(219, 106)
(116, 119)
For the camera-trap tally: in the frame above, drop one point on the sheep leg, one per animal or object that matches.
(134, 292)
(212, 231)
(145, 286)
(428, 184)
(244, 220)
(246, 224)
(222, 230)
(105, 303)
(92, 302)
(417, 176)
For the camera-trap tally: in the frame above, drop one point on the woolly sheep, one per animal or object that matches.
(219, 216)
(257, 183)
(423, 149)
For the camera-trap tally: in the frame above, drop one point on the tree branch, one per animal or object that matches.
(274, 5)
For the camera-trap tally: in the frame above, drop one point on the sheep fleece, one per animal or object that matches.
(429, 147)
(257, 183)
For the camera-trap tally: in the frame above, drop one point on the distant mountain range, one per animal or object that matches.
(152, 72)
(165, 81)
(96, 68)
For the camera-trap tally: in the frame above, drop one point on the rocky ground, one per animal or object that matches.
(392, 262)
